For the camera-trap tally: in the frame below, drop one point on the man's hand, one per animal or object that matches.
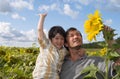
(107, 28)
(108, 34)
(117, 62)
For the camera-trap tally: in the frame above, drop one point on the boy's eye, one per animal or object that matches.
(56, 38)
(59, 38)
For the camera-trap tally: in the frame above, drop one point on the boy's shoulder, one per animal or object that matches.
(64, 50)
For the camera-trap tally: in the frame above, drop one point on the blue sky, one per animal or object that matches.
(19, 18)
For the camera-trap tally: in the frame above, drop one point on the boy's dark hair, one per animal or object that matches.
(54, 30)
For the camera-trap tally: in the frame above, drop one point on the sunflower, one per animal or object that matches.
(103, 52)
(92, 53)
(93, 25)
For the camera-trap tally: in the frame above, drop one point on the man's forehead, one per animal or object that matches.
(73, 31)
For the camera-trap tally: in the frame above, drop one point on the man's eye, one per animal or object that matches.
(78, 34)
(70, 35)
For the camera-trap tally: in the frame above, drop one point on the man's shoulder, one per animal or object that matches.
(95, 58)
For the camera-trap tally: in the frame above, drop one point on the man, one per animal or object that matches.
(77, 60)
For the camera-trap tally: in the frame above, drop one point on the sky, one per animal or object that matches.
(19, 18)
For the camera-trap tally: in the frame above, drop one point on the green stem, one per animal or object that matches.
(115, 76)
(106, 62)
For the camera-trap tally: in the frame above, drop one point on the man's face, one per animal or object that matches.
(74, 39)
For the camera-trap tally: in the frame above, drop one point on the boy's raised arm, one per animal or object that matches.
(41, 25)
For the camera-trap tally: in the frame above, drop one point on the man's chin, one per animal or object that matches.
(76, 47)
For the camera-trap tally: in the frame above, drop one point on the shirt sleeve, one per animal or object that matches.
(38, 73)
(44, 42)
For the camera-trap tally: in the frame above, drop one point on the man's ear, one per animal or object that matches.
(66, 46)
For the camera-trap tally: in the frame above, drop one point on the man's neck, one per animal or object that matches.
(75, 48)
(76, 54)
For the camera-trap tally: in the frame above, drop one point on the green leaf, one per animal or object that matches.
(113, 55)
(92, 69)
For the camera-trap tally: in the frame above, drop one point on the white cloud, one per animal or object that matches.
(115, 3)
(12, 6)
(30, 35)
(5, 6)
(44, 8)
(85, 2)
(68, 11)
(20, 4)
(109, 5)
(112, 5)
(66, 0)
(108, 22)
(5, 30)
(54, 7)
(78, 6)
(9, 36)
(8, 33)
(17, 16)
(47, 8)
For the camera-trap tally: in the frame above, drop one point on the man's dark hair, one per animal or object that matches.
(54, 30)
(71, 29)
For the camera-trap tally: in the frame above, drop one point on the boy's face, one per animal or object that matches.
(74, 39)
(58, 41)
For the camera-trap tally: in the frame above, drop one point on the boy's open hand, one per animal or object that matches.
(43, 15)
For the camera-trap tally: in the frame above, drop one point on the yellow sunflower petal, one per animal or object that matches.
(93, 25)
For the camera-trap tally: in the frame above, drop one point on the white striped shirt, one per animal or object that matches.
(49, 61)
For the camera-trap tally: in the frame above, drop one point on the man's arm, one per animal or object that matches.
(109, 38)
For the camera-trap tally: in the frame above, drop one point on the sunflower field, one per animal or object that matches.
(17, 62)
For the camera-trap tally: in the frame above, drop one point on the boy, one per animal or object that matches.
(52, 52)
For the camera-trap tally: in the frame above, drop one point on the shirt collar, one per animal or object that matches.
(67, 57)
